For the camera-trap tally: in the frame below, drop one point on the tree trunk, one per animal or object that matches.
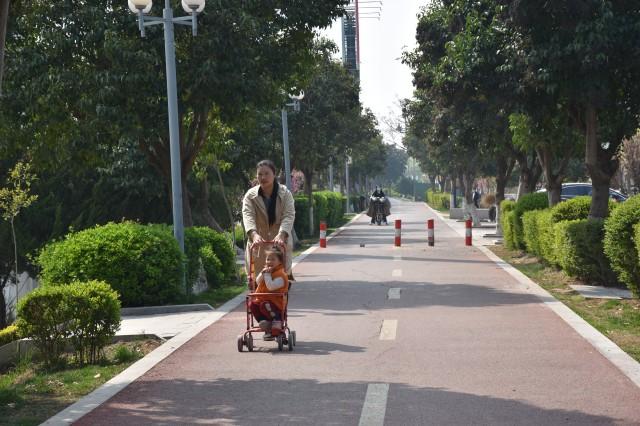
(202, 204)
(530, 172)
(308, 176)
(15, 253)
(3, 303)
(469, 206)
(553, 179)
(4, 18)
(505, 167)
(601, 167)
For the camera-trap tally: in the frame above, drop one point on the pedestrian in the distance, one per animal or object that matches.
(268, 213)
(476, 198)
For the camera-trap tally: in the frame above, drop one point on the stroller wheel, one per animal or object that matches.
(249, 342)
(290, 341)
(240, 343)
(280, 342)
(293, 337)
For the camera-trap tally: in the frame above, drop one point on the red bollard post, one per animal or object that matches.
(398, 226)
(467, 235)
(430, 233)
(323, 234)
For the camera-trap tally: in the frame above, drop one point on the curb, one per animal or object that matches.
(612, 352)
(140, 367)
(168, 309)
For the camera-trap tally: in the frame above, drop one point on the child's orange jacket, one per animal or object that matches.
(276, 299)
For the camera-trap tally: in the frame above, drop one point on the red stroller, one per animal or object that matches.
(287, 336)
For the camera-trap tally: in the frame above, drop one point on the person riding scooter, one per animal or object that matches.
(378, 196)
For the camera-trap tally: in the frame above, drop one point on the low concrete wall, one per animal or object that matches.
(458, 213)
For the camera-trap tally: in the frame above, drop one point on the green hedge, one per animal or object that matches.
(328, 206)
(9, 334)
(203, 244)
(142, 263)
(86, 314)
(619, 244)
(438, 200)
(534, 230)
(580, 253)
(528, 202)
(508, 229)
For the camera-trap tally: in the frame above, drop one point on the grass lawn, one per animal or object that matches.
(216, 297)
(619, 320)
(29, 394)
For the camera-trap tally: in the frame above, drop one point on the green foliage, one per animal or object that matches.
(546, 240)
(203, 244)
(508, 229)
(507, 206)
(142, 263)
(43, 316)
(438, 200)
(619, 245)
(95, 318)
(411, 187)
(579, 248)
(123, 354)
(87, 314)
(531, 232)
(327, 206)
(575, 208)
(301, 224)
(528, 202)
(9, 334)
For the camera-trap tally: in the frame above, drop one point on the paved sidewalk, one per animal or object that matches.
(162, 325)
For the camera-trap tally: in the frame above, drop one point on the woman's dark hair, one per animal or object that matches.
(277, 252)
(267, 163)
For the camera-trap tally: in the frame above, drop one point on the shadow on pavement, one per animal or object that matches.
(281, 401)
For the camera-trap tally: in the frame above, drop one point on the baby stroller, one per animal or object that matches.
(287, 336)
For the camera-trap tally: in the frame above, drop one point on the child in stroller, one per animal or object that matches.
(267, 309)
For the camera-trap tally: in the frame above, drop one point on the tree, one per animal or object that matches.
(83, 76)
(330, 124)
(579, 52)
(13, 198)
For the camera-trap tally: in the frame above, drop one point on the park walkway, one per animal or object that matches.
(414, 335)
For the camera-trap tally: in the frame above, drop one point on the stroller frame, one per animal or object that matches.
(287, 337)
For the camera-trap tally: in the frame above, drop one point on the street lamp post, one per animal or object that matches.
(285, 134)
(192, 7)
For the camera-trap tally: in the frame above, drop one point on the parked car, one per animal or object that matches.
(576, 189)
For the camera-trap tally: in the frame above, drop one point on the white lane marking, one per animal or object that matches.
(396, 273)
(394, 293)
(388, 330)
(375, 405)
(397, 257)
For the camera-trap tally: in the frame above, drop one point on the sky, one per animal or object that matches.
(383, 78)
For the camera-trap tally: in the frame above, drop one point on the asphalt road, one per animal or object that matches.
(414, 335)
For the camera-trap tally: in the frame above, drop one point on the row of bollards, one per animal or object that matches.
(398, 233)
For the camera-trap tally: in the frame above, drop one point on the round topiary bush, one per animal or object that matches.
(619, 245)
(142, 263)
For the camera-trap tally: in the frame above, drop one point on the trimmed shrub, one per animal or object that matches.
(142, 263)
(438, 200)
(532, 232)
(575, 208)
(507, 205)
(203, 244)
(508, 225)
(9, 334)
(87, 314)
(546, 242)
(528, 202)
(44, 315)
(95, 313)
(579, 250)
(619, 245)
(301, 224)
